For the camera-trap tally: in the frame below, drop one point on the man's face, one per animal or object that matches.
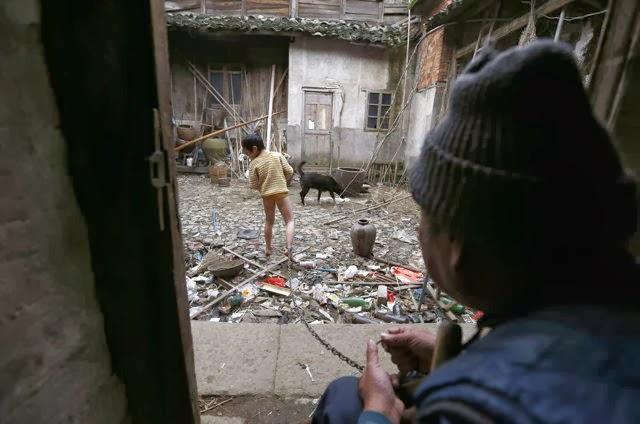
(440, 254)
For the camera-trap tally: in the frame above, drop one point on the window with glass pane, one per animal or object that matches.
(378, 111)
(227, 80)
(216, 78)
(235, 85)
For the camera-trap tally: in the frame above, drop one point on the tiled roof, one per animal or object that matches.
(390, 35)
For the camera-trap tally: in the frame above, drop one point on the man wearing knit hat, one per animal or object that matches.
(526, 214)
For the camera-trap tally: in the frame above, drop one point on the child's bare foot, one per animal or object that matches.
(267, 252)
(288, 252)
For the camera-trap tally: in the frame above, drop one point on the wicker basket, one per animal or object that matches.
(217, 171)
(186, 132)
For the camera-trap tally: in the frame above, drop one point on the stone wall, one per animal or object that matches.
(54, 361)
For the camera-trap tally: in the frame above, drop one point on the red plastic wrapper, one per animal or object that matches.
(276, 281)
(477, 315)
(405, 275)
(391, 297)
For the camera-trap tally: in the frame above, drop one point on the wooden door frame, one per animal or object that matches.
(303, 125)
(135, 244)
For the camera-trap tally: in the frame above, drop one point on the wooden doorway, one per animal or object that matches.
(317, 146)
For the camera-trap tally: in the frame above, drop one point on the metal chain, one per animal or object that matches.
(328, 346)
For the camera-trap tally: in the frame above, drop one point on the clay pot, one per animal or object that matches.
(363, 236)
(215, 149)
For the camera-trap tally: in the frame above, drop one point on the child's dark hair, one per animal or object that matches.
(253, 140)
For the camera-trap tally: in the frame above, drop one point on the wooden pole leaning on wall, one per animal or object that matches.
(216, 95)
(273, 77)
(204, 137)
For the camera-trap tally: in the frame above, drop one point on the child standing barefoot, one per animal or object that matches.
(269, 173)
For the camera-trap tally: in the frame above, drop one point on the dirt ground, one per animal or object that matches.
(238, 207)
(261, 409)
(213, 217)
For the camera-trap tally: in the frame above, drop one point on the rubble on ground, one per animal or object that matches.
(326, 283)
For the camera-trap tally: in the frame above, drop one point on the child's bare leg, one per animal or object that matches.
(284, 205)
(269, 218)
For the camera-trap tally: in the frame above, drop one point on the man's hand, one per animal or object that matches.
(376, 388)
(411, 349)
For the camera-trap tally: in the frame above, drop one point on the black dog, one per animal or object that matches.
(319, 182)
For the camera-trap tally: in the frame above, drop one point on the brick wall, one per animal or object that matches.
(437, 8)
(54, 362)
(435, 59)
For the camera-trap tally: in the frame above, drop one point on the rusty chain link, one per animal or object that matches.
(328, 346)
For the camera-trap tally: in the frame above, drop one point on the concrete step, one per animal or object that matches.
(212, 419)
(264, 359)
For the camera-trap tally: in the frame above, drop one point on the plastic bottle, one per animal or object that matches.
(307, 264)
(355, 302)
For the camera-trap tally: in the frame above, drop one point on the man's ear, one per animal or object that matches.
(455, 257)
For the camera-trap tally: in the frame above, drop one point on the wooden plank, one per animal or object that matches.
(358, 17)
(318, 98)
(362, 7)
(224, 6)
(327, 3)
(392, 9)
(267, 7)
(516, 24)
(178, 297)
(311, 11)
(181, 5)
(610, 63)
(267, 4)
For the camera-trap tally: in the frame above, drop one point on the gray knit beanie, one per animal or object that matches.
(519, 159)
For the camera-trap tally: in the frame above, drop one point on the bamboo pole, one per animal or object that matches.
(273, 77)
(392, 263)
(284, 75)
(397, 199)
(556, 38)
(261, 272)
(182, 146)
(216, 94)
(237, 287)
(195, 100)
(226, 249)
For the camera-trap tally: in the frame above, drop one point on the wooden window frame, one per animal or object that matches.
(227, 70)
(379, 108)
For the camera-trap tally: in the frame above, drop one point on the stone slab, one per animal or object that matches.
(212, 419)
(235, 359)
(298, 346)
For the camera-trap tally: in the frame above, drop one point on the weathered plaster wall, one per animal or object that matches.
(54, 362)
(432, 68)
(349, 70)
(420, 120)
